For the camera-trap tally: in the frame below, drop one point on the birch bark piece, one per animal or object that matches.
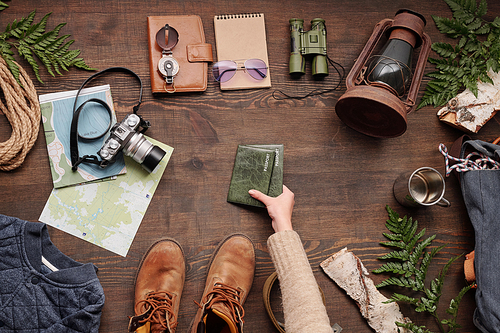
(348, 272)
(468, 113)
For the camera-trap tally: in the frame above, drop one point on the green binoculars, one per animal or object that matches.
(310, 43)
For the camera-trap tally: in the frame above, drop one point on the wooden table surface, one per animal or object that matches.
(342, 179)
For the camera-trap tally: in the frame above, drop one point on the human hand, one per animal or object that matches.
(279, 208)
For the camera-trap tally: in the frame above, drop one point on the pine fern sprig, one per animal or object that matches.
(33, 42)
(476, 52)
(453, 309)
(410, 262)
(404, 237)
(414, 328)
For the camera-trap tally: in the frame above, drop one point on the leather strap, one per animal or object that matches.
(75, 158)
(199, 53)
(74, 135)
(469, 271)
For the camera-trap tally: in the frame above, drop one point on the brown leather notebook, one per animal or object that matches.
(191, 53)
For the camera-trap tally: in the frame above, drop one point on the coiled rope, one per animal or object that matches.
(20, 106)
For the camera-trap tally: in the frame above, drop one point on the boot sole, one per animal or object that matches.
(212, 259)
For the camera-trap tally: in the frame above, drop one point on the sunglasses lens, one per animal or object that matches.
(256, 68)
(224, 70)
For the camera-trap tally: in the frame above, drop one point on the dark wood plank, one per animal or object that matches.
(342, 179)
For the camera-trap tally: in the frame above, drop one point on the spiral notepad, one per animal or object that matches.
(240, 37)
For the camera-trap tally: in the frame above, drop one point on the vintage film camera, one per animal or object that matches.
(127, 137)
(310, 43)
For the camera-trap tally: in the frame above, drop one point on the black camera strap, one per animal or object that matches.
(74, 135)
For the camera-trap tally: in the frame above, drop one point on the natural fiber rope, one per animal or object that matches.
(20, 106)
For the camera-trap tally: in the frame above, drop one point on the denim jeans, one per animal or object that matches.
(481, 192)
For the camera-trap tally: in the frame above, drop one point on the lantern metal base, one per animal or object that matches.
(373, 111)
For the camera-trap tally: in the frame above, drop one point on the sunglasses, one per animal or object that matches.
(224, 70)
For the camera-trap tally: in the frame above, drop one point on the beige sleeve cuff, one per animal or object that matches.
(303, 307)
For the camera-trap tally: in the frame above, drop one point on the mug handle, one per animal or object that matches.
(443, 203)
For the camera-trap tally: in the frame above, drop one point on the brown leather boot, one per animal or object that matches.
(158, 288)
(229, 280)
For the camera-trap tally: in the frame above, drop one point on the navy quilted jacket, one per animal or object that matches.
(59, 296)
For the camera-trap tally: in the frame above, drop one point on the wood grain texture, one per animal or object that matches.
(342, 179)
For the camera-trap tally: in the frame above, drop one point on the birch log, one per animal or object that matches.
(348, 272)
(468, 112)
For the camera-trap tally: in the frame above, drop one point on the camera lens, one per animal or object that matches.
(153, 158)
(144, 152)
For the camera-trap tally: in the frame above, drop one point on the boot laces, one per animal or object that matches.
(223, 293)
(160, 307)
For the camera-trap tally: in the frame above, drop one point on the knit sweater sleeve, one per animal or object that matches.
(303, 307)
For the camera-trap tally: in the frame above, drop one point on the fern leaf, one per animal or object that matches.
(399, 282)
(411, 269)
(471, 84)
(3, 5)
(32, 41)
(413, 327)
(8, 55)
(443, 49)
(455, 302)
(427, 305)
(449, 27)
(17, 29)
(26, 53)
(473, 55)
(424, 264)
(392, 237)
(482, 9)
(420, 248)
(402, 298)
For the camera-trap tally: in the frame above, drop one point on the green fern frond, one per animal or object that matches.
(35, 44)
(413, 327)
(461, 65)
(403, 298)
(453, 308)
(399, 282)
(3, 5)
(410, 263)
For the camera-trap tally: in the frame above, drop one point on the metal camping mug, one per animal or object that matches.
(422, 187)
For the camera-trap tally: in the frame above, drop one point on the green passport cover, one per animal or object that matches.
(257, 167)
(276, 185)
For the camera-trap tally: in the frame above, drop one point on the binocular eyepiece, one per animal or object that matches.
(308, 43)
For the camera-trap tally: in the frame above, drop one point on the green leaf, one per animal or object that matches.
(469, 60)
(413, 327)
(443, 49)
(37, 45)
(496, 22)
(409, 268)
(471, 84)
(482, 9)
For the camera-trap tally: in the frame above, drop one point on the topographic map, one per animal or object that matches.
(57, 114)
(106, 213)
